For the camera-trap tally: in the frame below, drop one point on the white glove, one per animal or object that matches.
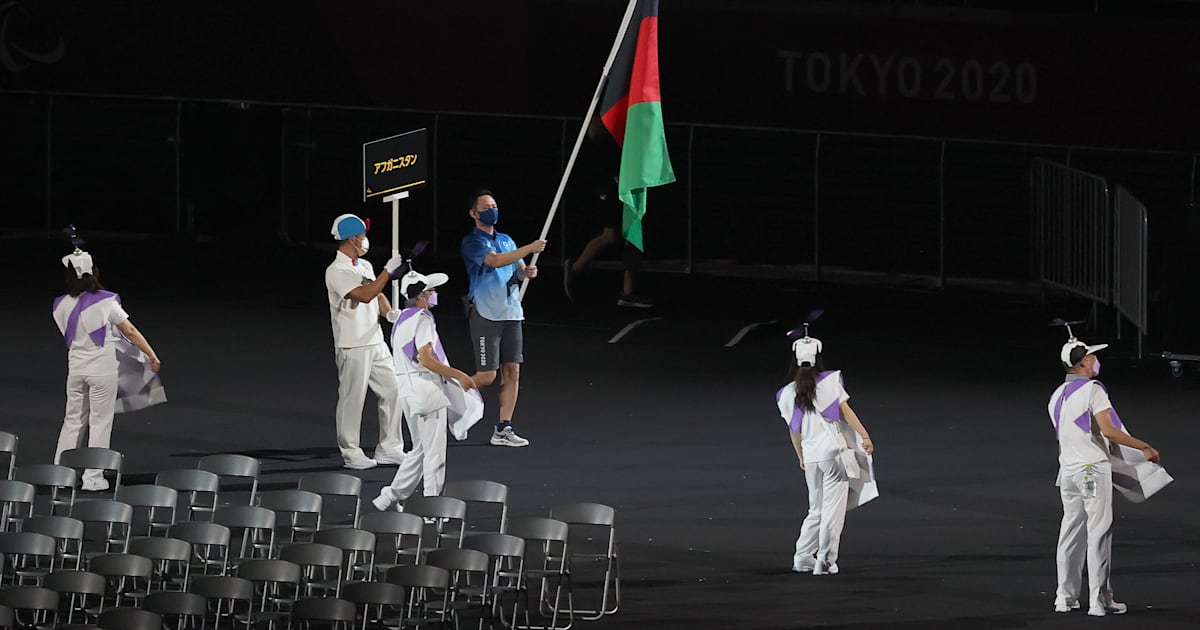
(393, 315)
(393, 264)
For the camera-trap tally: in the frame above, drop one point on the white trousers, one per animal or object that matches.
(359, 369)
(426, 460)
(90, 404)
(821, 533)
(1086, 533)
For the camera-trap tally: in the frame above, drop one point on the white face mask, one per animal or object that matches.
(364, 245)
(1096, 367)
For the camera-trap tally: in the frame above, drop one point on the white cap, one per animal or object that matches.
(348, 225)
(413, 283)
(1073, 343)
(80, 260)
(806, 349)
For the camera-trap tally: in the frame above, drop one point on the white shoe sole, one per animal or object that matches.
(504, 442)
(388, 459)
(360, 464)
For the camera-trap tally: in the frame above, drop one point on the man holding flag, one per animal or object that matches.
(630, 108)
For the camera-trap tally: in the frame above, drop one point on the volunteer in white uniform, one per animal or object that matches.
(88, 318)
(355, 301)
(815, 407)
(421, 369)
(1081, 413)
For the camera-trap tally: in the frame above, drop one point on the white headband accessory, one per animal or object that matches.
(80, 260)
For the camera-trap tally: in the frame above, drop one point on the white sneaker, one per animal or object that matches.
(385, 499)
(804, 566)
(1061, 606)
(383, 457)
(360, 464)
(94, 485)
(1111, 608)
(507, 437)
(822, 568)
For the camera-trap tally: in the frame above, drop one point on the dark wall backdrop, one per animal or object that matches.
(1059, 78)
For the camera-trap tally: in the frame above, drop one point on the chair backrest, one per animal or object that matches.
(394, 523)
(12, 495)
(8, 445)
(347, 539)
(419, 576)
(121, 564)
(496, 544)
(458, 560)
(335, 484)
(175, 603)
(189, 480)
(374, 593)
(481, 492)
(312, 555)
(6, 617)
(50, 476)
(16, 491)
(200, 533)
(155, 548)
(103, 511)
(148, 496)
(67, 531)
(538, 528)
(269, 571)
(27, 543)
(130, 619)
(584, 514)
(29, 598)
(92, 457)
(436, 507)
(245, 516)
(296, 503)
(81, 582)
(60, 527)
(160, 503)
(222, 587)
(232, 465)
(324, 609)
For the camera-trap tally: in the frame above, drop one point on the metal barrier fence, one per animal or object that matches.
(1072, 213)
(784, 202)
(1130, 291)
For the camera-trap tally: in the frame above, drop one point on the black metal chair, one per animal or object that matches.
(16, 504)
(91, 458)
(201, 487)
(67, 532)
(232, 465)
(171, 558)
(182, 607)
(128, 574)
(222, 589)
(130, 619)
(205, 539)
(57, 479)
(427, 593)
(155, 500)
(337, 613)
(114, 516)
(80, 587)
(335, 484)
(384, 597)
(588, 522)
(41, 604)
(277, 583)
(390, 529)
(28, 557)
(546, 552)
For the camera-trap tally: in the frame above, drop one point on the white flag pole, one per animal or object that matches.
(395, 201)
(562, 184)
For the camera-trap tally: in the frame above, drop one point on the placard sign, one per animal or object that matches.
(393, 164)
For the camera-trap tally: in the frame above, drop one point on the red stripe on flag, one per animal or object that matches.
(614, 119)
(643, 85)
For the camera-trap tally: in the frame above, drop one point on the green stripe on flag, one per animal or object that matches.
(644, 163)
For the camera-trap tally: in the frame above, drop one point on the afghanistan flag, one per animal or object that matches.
(631, 108)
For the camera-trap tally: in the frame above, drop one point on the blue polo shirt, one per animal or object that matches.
(493, 289)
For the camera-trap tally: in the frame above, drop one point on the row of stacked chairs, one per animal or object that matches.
(231, 564)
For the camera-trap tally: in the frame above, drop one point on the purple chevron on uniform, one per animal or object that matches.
(1085, 421)
(1070, 388)
(86, 300)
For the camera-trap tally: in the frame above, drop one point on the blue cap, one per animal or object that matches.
(348, 225)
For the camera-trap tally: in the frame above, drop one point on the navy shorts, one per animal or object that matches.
(496, 342)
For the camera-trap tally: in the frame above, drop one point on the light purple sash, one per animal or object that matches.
(410, 349)
(1084, 421)
(831, 412)
(86, 300)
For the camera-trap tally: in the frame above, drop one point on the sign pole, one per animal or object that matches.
(395, 201)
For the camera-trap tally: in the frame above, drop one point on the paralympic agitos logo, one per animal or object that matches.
(17, 54)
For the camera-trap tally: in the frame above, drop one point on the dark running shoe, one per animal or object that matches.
(633, 300)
